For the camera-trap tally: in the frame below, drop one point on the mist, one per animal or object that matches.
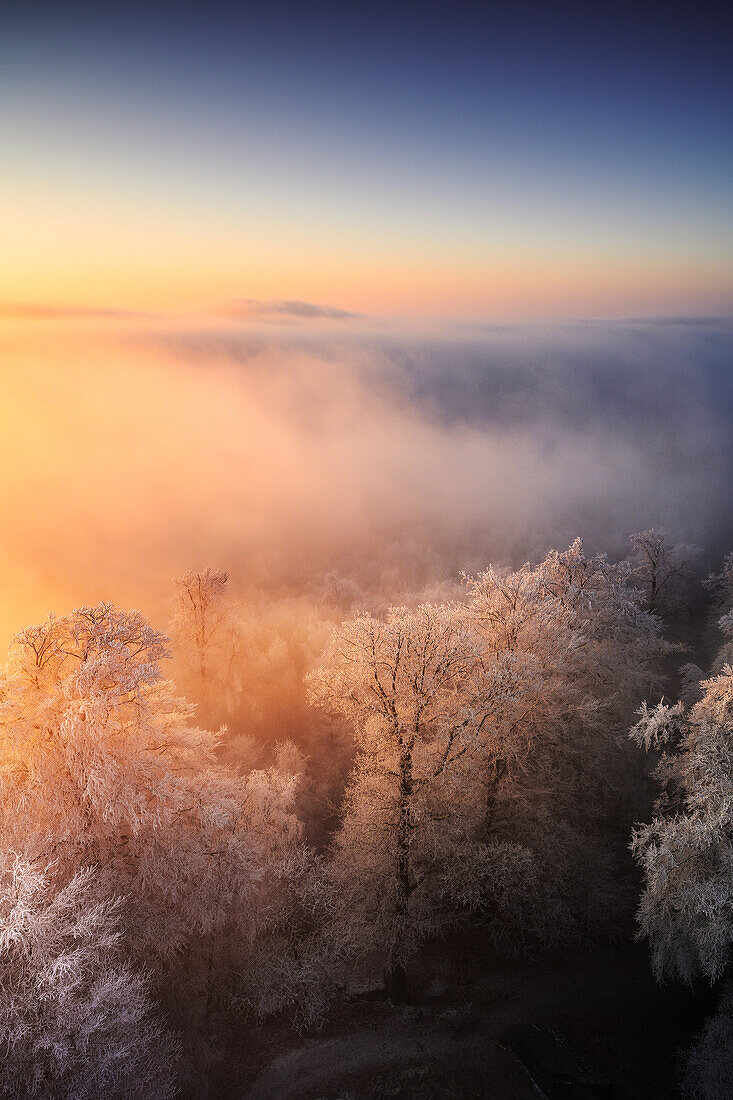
(395, 457)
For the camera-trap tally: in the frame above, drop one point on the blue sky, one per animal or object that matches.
(476, 160)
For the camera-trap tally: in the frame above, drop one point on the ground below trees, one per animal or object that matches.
(448, 1044)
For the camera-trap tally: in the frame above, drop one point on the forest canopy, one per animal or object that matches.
(465, 767)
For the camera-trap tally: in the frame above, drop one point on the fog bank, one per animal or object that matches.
(395, 457)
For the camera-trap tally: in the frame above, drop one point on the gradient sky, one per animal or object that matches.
(553, 160)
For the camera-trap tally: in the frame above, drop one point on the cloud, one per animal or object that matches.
(694, 320)
(394, 459)
(243, 308)
(47, 311)
(621, 425)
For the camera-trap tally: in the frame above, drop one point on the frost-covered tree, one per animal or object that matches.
(720, 586)
(202, 625)
(414, 687)
(663, 570)
(686, 852)
(293, 963)
(622, 642)
(576, 629)
(719, 615)
(690, 691)
(526, 644)
(75, 1021)
(708, 1065)
(725, 653)
(101, 765)
(575, 648)
(491, 752)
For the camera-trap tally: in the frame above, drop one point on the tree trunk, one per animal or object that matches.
(396, 977)
(497, 772)
(395, 983)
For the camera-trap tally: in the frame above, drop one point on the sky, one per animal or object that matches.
(387, 291)
(473, 162)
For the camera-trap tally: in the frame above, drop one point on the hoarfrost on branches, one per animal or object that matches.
(75, 1020)
(686, 852)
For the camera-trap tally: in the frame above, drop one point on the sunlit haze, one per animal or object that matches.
(366, 569)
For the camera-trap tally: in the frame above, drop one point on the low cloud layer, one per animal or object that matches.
(394, 459)
(246, 308)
